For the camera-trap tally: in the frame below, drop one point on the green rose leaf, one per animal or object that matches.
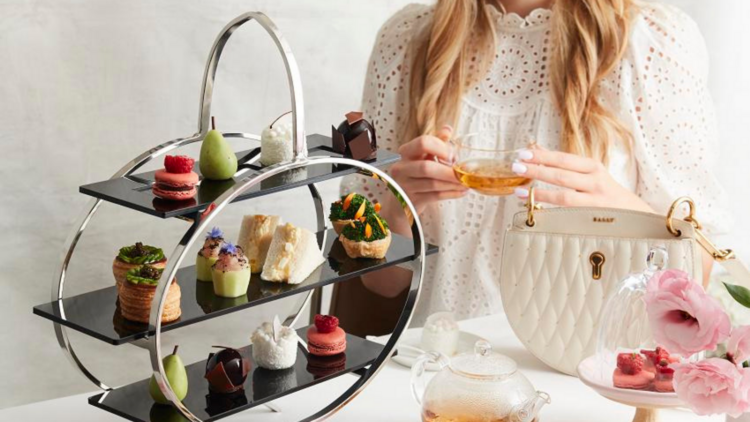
(739, 293)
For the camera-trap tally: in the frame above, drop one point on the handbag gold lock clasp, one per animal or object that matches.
(597, 261)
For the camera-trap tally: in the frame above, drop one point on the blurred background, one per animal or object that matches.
(87, 85)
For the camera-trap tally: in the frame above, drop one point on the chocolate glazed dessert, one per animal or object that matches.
(226, 371)
(355, 138)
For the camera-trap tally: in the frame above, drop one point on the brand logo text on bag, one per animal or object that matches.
(604, 219)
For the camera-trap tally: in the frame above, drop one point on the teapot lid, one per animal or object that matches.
(483, 363)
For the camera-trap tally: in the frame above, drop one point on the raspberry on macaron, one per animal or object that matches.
(630, 363)
(178, 164)
(326, 323)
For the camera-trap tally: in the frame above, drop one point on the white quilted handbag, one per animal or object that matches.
(559, 265)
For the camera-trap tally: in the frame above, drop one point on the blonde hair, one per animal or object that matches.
(589, 38)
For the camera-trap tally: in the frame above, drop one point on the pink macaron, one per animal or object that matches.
(176, 182)
(175, 186)
(326, 338)
(326, 344)
(639, 381)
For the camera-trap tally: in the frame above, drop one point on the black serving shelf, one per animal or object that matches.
(135, 191)
(134, 403)
(97, 314)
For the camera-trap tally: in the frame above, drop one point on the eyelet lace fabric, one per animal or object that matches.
(659, 91)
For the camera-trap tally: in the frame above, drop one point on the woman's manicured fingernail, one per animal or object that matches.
(522, 192)
(518, 168)
(525, 154)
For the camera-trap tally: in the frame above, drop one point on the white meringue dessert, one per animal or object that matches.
(274, 346)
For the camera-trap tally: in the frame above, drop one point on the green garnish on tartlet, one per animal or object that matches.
(339, 213)
(140, 254)
(144, 274)
(358, 230)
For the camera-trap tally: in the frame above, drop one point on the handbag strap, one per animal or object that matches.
(724, 257)
(737, 270)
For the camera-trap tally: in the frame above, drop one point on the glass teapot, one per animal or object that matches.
(475, 387)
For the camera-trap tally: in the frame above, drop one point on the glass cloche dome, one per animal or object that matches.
(627, 355)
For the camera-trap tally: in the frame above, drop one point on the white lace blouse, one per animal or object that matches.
(659, 90)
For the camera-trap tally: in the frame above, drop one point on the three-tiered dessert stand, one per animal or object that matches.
(97, 315)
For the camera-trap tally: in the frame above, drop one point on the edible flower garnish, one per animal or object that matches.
(215, 233)
(229, 248)
(360, 211)
(348, 201)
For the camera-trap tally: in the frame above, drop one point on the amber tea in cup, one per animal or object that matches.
(487, 171)
(428, 416)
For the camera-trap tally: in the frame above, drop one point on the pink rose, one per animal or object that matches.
(713, 386)
(684, 319)
(738, 346)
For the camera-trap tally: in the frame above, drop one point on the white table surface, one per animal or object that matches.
(388, 397)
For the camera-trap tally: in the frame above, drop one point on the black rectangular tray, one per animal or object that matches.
(135, 191)
(97, 313)
(134, 403)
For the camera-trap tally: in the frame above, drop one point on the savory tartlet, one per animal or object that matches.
(349, 208)
(138, 291)
(368, 237)
(134, 256)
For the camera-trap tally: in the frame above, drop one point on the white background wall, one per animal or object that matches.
(86, 85)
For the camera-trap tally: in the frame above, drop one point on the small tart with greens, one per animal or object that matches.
(366, 237)
(137, 294)
(145, 274)
(140, 254)
(349, 208)
(133, 256)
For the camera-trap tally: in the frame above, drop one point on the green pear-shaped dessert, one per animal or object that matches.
(177, 376)
(231, 272)
(209, 254)
(218, 161)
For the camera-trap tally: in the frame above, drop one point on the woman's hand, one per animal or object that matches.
(586, 181)
(425, 179)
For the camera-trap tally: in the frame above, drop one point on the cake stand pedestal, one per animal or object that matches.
(646, 415)
(646, 403)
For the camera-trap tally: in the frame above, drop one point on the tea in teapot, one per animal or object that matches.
(428, 416)
(476, 387)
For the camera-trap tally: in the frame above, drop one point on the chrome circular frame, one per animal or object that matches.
(417, 267)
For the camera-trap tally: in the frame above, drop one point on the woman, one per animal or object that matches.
(613, 92)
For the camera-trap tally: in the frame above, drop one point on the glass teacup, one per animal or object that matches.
(485, 170)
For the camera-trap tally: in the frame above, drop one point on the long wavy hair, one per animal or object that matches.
(589, 37)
